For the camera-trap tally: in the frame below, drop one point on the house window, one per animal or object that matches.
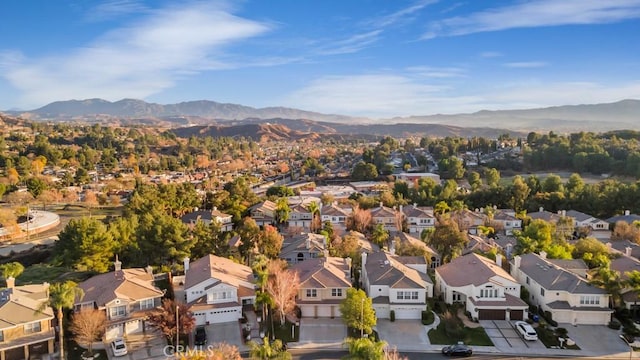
(311, 293)
(146, 304)
(400, 295)
(414, 295)
(407, 295)
(336, 292)
(117, 311)
(590, 300)
(542, 291)
(527, 280)
(31, 328)
(1, 336)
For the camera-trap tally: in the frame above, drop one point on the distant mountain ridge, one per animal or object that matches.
(624, 114)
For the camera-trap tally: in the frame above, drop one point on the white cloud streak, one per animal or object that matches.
(537, 13)
(134, 61)
(526, 64)
(389, 95)
(114, 9)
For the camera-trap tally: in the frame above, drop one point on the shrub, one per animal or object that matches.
(547, 316)
(631, 331)
(561, 332)
(468, 315)
(614, 324)
(392, 315)
(427, 317)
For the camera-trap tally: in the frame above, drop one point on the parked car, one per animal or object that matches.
(119, 347)
(201, 336)
(526, 331)
(457, 350)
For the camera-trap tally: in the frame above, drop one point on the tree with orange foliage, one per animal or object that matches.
(283, 286)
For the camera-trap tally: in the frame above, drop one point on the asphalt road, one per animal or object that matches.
(299, 354)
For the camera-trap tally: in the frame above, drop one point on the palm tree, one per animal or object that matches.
(282, 210)
(11, 270)
(314, 209)
(268, 350)
(62, 296)
(365, 349)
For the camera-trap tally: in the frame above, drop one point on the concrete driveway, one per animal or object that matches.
(597, 340)
(230, 333)
(403, 334)
(321, 333)
(506, 338)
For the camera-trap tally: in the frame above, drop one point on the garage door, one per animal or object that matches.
(324, 311)
(490, 314)
(408, 313)
(14, 354)
(382, 311)
(133, 327)
(308, 311)
(113, 332)
(516, 315)
(223, 315)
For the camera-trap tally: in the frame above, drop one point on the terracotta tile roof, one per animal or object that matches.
(225, 270)
(128, 284)
(385, 269)
(331, 272)
(471, 269)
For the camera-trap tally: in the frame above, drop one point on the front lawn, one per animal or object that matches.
(550, 339)
(475, 336)
(284, 332)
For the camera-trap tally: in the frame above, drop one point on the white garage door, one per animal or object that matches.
(382, 311)
(113, 332)
(201, 318)
(408, 313)
(223, 315)
(133, 327)
(307, 311)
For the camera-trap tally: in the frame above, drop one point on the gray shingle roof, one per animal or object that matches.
(471, 269)
(552, 277)
(385, 269)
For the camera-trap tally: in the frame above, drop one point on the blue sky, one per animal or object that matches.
(375, 58)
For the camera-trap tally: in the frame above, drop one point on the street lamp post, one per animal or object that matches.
(177, 329)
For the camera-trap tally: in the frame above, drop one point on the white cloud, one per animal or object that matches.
(537, 13)
(438, 72)
(352, 44)
(490, 54)
(114, 8)
(402, 14)
(389, 95)
(136, 60)
(526, 64)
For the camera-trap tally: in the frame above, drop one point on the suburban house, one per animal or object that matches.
(557, 219)
(468, 220)
(567, 297)
(300, 217)
(487, 291)
(26, 331)
(323, 285)
(336, 215)
(303, 246)
(598, 228)
(263, 213)
(216, 288)
(506, 221)
(627, 217)
(386, 216)
(624, 265)
(207, 216)
(418, 219)
(126, 295)
(432, 255)
(398, 284)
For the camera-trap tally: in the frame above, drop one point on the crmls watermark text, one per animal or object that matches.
(185, 351)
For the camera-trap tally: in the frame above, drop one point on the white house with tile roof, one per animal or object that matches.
(487, 291)
(336, 215)
(126, 295)
(418, 219)
(207, 216)
(303, 246)
(395, 283)
(300, 217)
(386, 216)
(323, 285)
(216, 288)
(568, 297)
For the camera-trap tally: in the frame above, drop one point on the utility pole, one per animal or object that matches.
(362, 319)
(177, 330)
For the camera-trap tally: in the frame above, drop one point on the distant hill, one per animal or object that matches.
(623, 114)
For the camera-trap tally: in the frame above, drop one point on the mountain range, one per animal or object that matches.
(211, 116)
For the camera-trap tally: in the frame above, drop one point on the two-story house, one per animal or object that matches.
(418, 219)
(323, 285)
(336, 215)
(487, 291)
(398, 284)
(303, 246)
(207, 216)
(300, 217)
(126, 295)
(26, 330)
(386, 216)
(506, 221)
(468, 220)
(598, 228)
(430, 254)
(263, 213)
(568, 297)
(216, 288)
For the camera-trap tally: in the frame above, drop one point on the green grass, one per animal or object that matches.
(475, 336)
(284, 332)
(40, 273)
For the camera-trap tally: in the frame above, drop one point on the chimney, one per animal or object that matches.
(348, 269)
(627, 250)
(185, 261)
(516, 261)
(415, 205)
(380, 203)
(543, 254)
(149, 270)
(627, 212)
(308, 242)
(499, 260)
(11, 282)
(117, 264)
(541, 209)
(364, 259)
(564, 212)
(400, 207)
